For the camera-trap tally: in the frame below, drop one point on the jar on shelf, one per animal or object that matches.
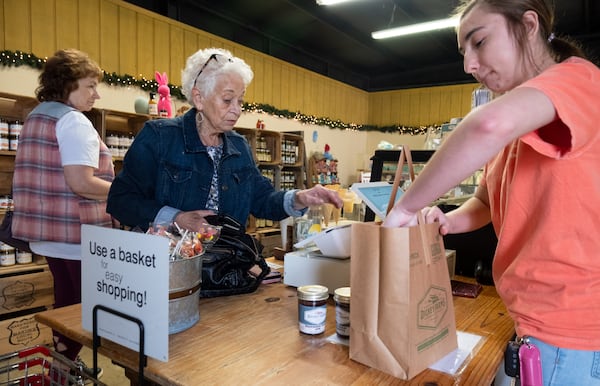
(7, 255)
(4, 141)
(14, 132)
(23, 257)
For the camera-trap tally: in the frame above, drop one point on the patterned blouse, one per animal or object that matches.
(215, 153)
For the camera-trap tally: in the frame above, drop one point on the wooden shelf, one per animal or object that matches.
(272, 152)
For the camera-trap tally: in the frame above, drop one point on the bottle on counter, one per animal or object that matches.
(153, 105)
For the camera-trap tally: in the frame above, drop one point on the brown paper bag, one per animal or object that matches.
(402, 314)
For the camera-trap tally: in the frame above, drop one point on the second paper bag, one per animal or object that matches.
(402, 315)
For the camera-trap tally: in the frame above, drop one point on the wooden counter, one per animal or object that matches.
(254, 339)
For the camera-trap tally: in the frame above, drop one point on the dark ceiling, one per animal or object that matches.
(336, 40)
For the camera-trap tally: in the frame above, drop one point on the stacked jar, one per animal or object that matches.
(6, 203)
(23, 257)
(14, 132)
(4, 141)
(119, 144)
(7, 255)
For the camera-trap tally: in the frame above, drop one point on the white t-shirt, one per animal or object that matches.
(79, 144)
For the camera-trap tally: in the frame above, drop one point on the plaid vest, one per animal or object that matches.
(45, 208)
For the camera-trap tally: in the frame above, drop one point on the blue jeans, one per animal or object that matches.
(564, 367)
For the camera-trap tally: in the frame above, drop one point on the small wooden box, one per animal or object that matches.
(25, 287)
(22, 332)
(269, 238)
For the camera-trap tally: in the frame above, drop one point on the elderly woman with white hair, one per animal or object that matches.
(186, 168)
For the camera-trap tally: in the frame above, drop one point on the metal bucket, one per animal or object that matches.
(185, 276)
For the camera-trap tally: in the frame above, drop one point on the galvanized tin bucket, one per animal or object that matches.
(185, 276)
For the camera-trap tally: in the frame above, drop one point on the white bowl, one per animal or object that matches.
(333, 242)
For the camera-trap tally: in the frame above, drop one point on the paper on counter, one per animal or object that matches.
(273, 265)
(453, 362)
(335, 338)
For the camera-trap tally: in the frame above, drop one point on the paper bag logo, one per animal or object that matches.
(432, 308)
(23, 332)
(18, 295)
(436, 251)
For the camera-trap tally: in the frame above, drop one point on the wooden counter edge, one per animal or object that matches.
(73, 329)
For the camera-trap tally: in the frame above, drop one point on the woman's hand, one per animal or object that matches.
(435, 214)
(192, 220)
(317, 195)
(399, 217)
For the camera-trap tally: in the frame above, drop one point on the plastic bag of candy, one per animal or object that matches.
(183, 244)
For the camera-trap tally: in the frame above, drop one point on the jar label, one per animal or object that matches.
(24, 257)
(7, 259)
(312, 319)
(342, 321)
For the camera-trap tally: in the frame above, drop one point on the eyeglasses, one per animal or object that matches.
(212, 57)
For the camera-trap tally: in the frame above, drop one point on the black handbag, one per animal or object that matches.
(6, 234)
(227, 265)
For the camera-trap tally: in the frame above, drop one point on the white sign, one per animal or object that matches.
(127, 272)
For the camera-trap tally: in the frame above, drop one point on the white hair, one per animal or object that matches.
(212, 62)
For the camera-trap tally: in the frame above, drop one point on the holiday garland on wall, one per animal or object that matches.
(19, 58)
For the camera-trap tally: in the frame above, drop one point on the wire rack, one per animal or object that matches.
(40, 365)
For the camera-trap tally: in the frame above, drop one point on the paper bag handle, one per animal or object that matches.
(404, 154)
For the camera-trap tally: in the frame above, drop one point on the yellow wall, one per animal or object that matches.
(128, 40)
(420, 106)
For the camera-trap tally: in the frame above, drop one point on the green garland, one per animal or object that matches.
(19, 58)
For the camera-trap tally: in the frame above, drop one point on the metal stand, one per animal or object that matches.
(142, 360)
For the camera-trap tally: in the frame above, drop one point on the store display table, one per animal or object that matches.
(254, 339)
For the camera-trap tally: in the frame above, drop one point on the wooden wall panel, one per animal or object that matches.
(176, 56)
(146, 40)
(309, 103)
(316, 105)
(291, 88)
(190, 44)
(109, 31)
(396, 114)
(67, 32)
(128, 43)
(203, 41)
(276, 84)
(267, 84)
(285, 87)
(89, 27)
(251, 60)
(425, 108)
(418, 107)
(17, 25)
(162, 49)
(2, 37)
(300, 92)
(434, 107)
(43, 28)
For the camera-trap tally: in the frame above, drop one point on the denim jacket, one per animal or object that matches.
(168, 169)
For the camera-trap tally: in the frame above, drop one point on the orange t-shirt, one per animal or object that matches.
(543, 189)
